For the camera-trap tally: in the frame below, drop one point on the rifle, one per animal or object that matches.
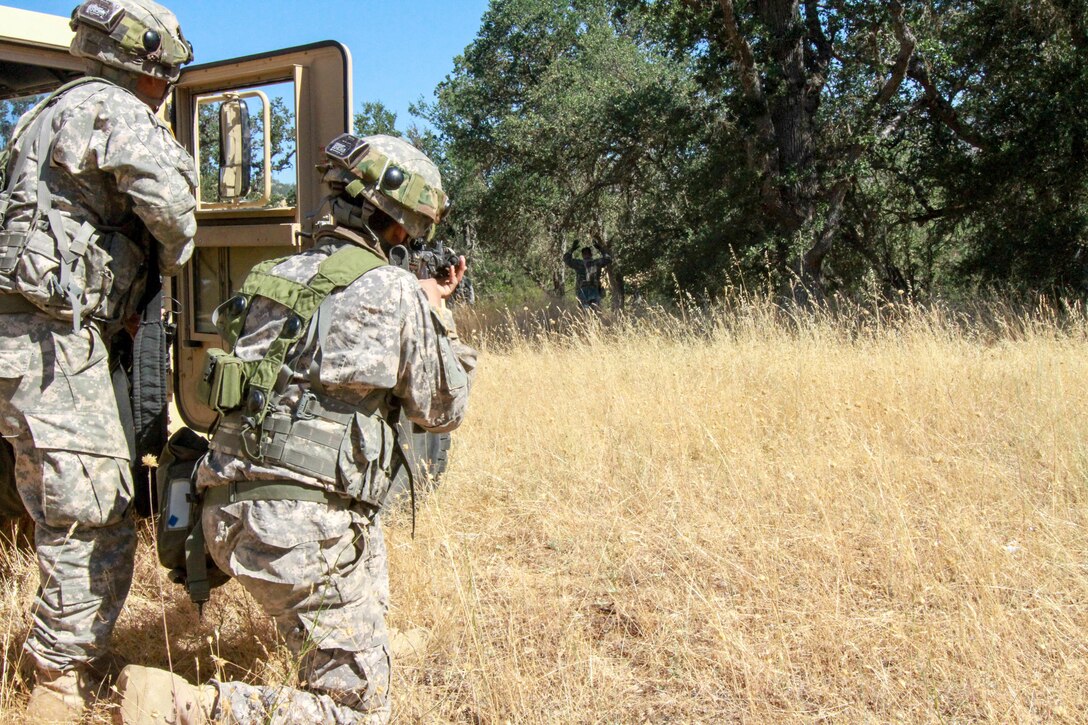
(425, 262)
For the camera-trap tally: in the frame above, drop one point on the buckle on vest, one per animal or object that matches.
(303, 411)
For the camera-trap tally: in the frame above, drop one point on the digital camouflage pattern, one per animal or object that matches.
(386, 338)
(323, 578)
(112, 159)
(72, 472)
(117, 167)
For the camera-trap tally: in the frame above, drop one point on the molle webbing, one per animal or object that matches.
(307, 442)
(338, 270)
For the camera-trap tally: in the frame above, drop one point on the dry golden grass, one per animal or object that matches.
(770, 519)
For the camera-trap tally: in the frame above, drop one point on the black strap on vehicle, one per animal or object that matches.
(150, 395)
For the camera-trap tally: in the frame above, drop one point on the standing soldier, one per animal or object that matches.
(335, 343)
(587, 271)
(97, 193)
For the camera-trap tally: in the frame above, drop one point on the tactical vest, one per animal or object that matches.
(348, 450)
(70, 271)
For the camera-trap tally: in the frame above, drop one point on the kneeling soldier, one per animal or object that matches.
(337, 343)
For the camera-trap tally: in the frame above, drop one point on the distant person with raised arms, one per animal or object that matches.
(587, 271)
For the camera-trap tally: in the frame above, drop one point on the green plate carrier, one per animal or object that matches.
(228, 383)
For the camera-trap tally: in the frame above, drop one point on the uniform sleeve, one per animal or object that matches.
(151, 168)
(387, 336)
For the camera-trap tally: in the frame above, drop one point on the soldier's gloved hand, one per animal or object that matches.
(438, 291)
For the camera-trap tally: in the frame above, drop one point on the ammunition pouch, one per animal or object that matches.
(222, 383)
(90, 275)
(179, 535)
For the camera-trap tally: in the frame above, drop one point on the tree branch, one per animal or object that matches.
(762, 157)
(822, 45)
(742, 54)
(907, 44)
(942, 109)
(750, 82)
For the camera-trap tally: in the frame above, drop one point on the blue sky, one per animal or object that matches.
(400, 49)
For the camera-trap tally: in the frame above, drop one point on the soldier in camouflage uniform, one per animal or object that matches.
(318, 567)
(96, 185)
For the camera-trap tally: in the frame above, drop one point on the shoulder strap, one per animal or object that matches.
(338, 270)
(28, 120)
(39, 121)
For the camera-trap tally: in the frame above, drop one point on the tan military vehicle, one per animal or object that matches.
(255, 126)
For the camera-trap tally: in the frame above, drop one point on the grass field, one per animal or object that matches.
(725, 515)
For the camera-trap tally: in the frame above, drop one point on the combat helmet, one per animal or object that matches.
(138, 37)
(391, 174)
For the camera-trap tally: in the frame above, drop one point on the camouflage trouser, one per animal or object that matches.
(322, 575)
(57, 408)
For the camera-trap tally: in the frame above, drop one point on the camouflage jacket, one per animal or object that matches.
(384, 337)
(116, 166)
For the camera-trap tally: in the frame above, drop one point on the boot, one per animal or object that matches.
(157, 697)
(58, 697)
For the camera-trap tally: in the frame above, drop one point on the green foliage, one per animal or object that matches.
(559, 125)
(918, 148)
(1019, 205)
(375, 118)
(10, 113)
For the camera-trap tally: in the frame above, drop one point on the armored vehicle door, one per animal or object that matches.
(255, 126)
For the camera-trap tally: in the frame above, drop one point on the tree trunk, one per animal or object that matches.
(790, 111)
(559, 282)
(615, 283)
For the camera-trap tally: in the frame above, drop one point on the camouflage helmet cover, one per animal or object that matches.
(137, 36)
(393, 175)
